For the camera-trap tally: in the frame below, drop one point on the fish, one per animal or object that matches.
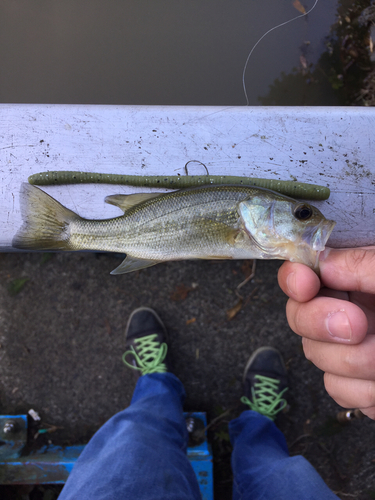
(205, 222)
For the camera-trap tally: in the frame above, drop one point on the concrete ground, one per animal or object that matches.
(62, 337)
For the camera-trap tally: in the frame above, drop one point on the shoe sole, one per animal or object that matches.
(252, 357)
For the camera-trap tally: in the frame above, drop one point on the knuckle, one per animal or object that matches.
(357, 361)
(350, 361)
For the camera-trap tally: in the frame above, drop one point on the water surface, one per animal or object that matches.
(185, 52)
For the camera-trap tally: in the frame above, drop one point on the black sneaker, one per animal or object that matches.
(146, 350)
(265, 381)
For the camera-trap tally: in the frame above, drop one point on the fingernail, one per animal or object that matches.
(291, 283)
(338, 325)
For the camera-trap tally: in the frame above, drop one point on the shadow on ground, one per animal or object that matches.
(62, 321)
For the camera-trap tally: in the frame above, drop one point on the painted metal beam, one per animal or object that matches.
(321, 145)
(53, 464)
(48, 465)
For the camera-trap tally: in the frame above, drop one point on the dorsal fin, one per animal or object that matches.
(126, 201)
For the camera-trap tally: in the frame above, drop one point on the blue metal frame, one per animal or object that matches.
(52, 464)
(200, 457)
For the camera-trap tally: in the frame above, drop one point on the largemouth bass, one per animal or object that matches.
(206, 222)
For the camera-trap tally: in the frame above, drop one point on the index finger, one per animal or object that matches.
(349, 269)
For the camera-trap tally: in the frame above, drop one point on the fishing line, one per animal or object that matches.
(261, 38)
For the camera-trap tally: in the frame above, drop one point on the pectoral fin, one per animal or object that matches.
(126, 201)
(130, 264)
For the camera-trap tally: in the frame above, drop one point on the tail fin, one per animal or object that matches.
(46, 221)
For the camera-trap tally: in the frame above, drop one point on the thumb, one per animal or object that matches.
(349, 269)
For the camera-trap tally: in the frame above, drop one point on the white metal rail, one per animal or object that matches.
(329, 146)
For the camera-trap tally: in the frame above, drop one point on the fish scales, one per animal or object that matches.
(186, 222)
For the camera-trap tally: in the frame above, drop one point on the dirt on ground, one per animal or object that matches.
(62, 322)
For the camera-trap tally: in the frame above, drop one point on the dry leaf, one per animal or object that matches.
(180, 293)
(231, 313)
(297, 5)
(191, 320)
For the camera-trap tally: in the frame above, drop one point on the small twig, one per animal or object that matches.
(250, 277)
(53, 427)
(303, 436)
(217, 419)
(333, 461)
(220, 417)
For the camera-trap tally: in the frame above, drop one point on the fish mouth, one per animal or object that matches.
(317, 237)
(314, 240)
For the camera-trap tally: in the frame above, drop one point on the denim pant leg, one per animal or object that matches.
(262, 467)
(140, 453)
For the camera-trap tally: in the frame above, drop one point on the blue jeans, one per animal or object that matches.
(140, 453)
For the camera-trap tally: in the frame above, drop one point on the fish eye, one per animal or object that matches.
(302, 212)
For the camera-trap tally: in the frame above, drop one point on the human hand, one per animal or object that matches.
(336, 319)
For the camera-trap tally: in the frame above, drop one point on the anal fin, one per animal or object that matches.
(130, 264)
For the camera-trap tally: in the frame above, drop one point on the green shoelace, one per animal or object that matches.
(265, 397)
(149, 355)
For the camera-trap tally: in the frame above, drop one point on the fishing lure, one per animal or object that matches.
(288, 188)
